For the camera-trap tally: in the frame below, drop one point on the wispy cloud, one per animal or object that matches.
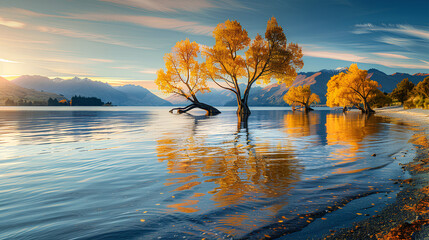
(68, 71)
(7, 61)
(11, 23)
(334, 55)
(151, 22)
(58, 60)
(166, 5)
(88, 36)
(141, 20)
(149, 71)
(400, 64)
(124, 67)
(391, 55)
(100, 60)
(418, 32)
(352, 57)
(424, 61)
(174, 5)
(401, 42)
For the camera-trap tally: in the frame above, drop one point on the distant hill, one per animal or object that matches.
(129, 95)
(217, 97)
(10, 91)
(142, 96)
(272, 95)
(132, 95)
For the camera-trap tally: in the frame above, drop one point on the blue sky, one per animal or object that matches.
(124, 41)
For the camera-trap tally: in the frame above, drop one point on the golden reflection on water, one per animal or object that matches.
(239, 170)
(301, 124)
(348, 130)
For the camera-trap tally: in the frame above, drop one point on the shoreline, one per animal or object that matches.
(408, 216)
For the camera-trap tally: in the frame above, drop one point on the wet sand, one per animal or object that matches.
(408, 216)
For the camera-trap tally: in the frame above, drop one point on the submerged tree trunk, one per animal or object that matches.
(367, 108)
(195, 104)
(243, 113)
(243, 108)
(308, 108)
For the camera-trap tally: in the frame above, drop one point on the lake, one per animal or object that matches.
(143, 173)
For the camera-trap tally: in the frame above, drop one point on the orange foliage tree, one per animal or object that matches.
(235, 58)
(302, 96)
(184, 76)
(353, 88)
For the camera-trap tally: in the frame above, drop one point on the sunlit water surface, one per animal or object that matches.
(143, 173)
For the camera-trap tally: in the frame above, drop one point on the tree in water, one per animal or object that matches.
(235, 58)
(403, 90)
(353, 88)
(184, 76)
(302, 96)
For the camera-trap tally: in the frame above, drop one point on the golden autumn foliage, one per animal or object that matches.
(301, 96)
(236, 57)
(184, 75)
(352, 89)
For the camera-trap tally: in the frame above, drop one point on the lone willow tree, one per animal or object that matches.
(235, 59)
(353, 88)
(185, 76)
(301, 96)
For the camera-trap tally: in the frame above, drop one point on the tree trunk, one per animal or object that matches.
(243, 108)
(210, 109)
(308, 108)
(243, 113)
(367, 108)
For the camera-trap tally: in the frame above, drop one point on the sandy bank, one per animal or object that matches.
(408, 216)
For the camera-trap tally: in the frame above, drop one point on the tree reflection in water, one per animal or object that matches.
(240, 173)
(301, 124)
(349, 130)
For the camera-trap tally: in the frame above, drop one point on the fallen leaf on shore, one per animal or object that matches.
(405, 230)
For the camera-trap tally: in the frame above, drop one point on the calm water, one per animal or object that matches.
(143, 173)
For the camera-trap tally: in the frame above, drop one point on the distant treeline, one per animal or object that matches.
(75, 101)
(85, 101)
(21, 102)
(55, 102)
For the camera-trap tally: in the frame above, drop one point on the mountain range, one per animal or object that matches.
(272, 95)
(39, 88)
(16, 93)
(127, 95)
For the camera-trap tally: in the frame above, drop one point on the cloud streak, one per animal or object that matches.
(149, 71)
(333, 55)
(391, 55)
(350, 57)
(11, 23)
(7, 61)
(165, 5)
(88, 36)
(148, 21)
(101, 60)
(176, 6)
(140, 20)
(422, 33)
